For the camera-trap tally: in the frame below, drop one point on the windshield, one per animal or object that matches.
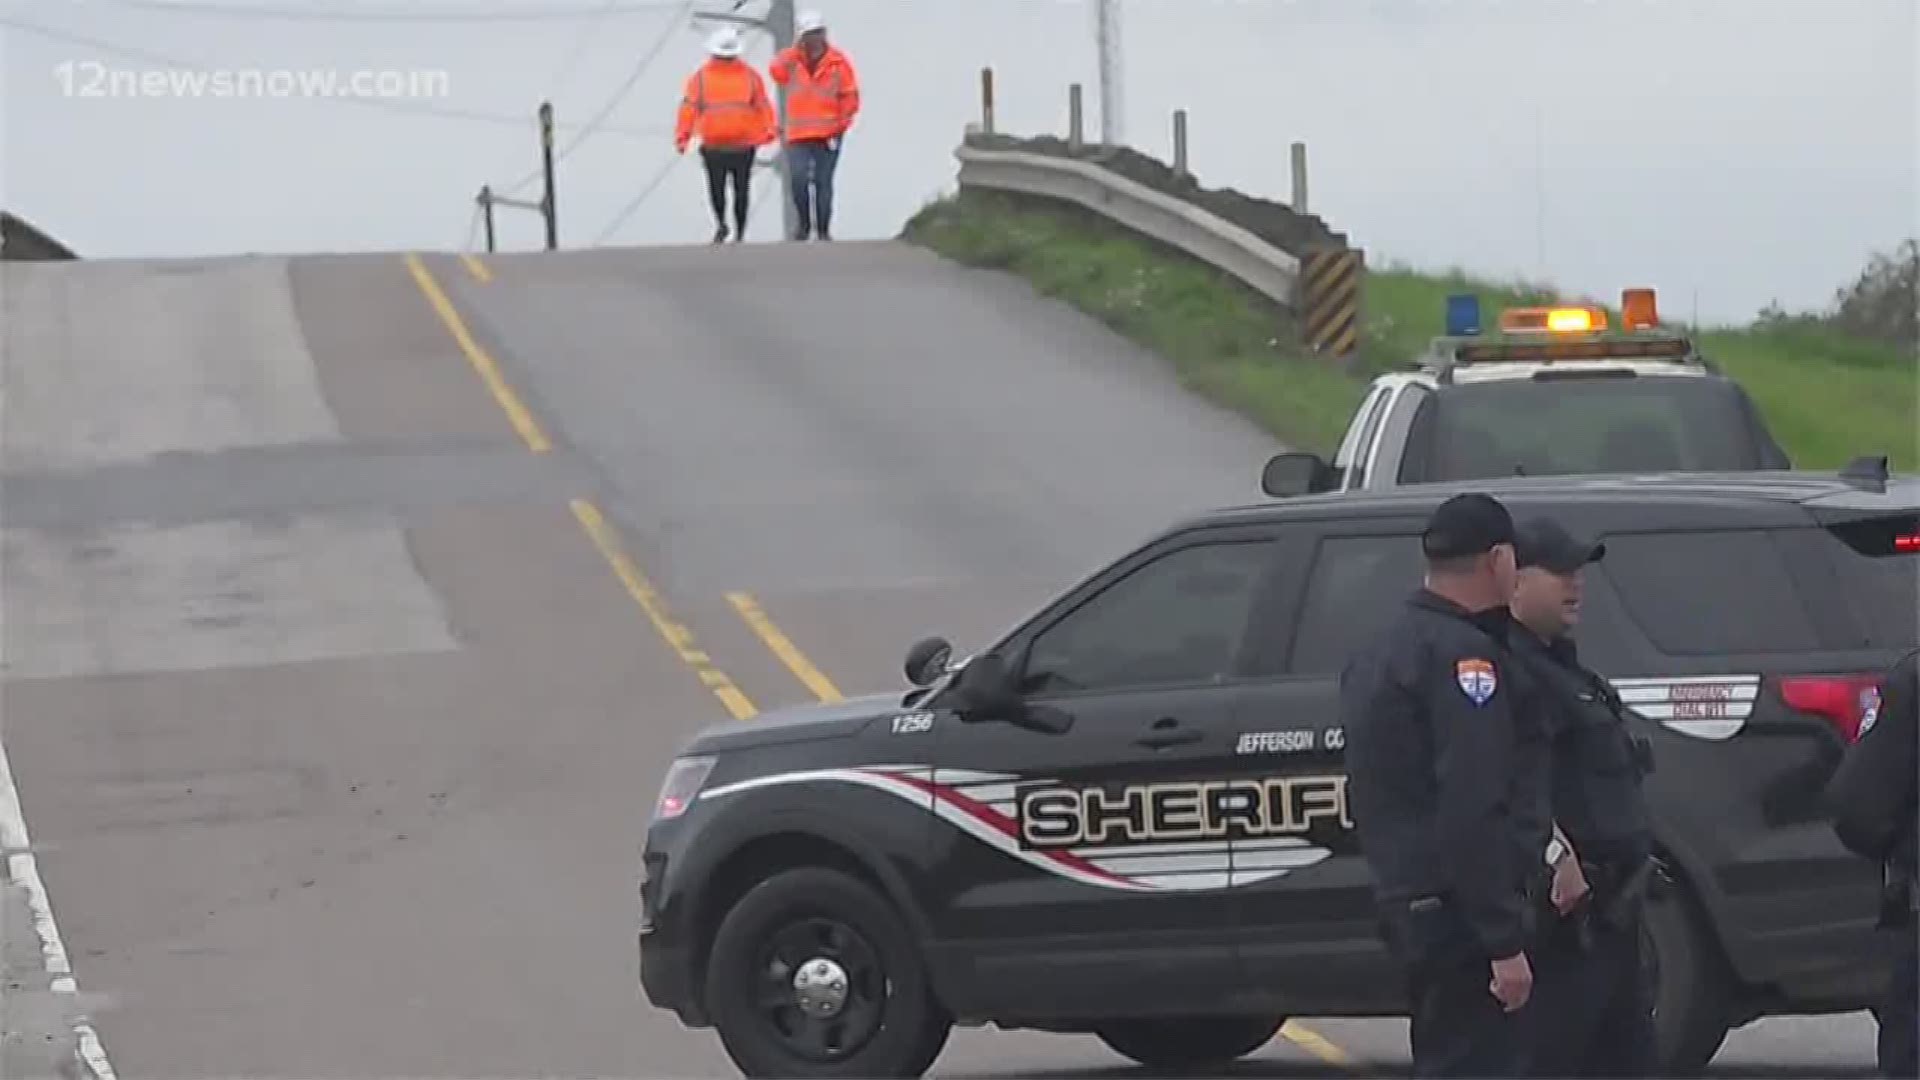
(1558, 427)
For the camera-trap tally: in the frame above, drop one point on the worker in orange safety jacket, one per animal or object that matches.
(726, 104)
(823, 95)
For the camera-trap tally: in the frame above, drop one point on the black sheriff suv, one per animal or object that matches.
(1128, 816)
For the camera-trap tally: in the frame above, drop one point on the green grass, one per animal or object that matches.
(1827, 397)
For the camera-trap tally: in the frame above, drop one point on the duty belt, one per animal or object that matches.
(1616, 889)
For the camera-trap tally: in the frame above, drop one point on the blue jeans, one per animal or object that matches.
(812, 162)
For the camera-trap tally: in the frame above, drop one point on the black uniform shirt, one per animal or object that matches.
(1876, 813)
(1596, 784)
(1446, 758)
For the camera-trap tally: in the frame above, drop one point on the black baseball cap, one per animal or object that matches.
(1465, 525)
(1543, 543)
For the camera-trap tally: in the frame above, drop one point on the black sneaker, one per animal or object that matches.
(719, 234)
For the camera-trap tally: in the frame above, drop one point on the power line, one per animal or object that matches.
(561, 73)
(584, 38)
(470, 15)
(389, 104)
(627, 211)
(613, 101)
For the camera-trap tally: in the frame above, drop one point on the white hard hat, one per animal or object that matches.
(810, 21)
(725, 43)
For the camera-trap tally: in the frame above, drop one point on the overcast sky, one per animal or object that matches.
(1727, 152)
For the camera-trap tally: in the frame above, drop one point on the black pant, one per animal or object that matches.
(1458, 1027)
(1899, 1013)
(1591, 1012)
(723, 165)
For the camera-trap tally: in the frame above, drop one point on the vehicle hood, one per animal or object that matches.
(798, 723)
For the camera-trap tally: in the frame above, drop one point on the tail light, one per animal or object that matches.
(1840, 700)
(681, 786)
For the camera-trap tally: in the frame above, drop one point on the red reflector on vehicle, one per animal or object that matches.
(1907, 543)
(1840, 700)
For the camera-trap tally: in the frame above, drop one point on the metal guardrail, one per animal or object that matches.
(1295, 275)
(1263, 266)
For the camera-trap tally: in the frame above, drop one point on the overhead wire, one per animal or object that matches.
(415, 15)
(561, 74)
(627, 211)
(388, 104)
(613, 101)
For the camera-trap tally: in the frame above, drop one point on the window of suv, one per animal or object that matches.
(1177, 620)
(1878, 584)
(1711, 592)
(1558, 427)
(1356, 585)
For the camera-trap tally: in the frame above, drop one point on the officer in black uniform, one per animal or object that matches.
(1877, 816)
(1445, 761)
(1592, 1012)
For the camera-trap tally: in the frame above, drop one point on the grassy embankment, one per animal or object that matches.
(1827, 397)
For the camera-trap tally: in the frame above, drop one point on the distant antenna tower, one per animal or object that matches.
(1106, 19)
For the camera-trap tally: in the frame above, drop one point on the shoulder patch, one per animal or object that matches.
(1477, 679)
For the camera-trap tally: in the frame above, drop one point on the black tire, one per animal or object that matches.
(890, 1024)
(1692, 986)
(1189, 1044)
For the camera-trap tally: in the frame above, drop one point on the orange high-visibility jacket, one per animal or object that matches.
(726, 104)
(821, 101)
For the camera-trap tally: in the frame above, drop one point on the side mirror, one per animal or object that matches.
(927, 660)
(1295, 472)
(986, 687)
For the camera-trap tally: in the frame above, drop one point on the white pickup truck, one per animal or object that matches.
(1554, 392)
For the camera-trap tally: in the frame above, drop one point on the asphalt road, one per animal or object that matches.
(351, 614)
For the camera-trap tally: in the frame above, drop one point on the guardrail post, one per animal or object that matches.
(1076, 120)
(1180, 143)
(986, 100)
(1299, 178)
(1329, 303)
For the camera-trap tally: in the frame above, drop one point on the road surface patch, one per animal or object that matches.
(114, 362)
(244, 592)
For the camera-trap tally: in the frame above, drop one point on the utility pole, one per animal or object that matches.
(486, 210)
(1106, 17)
(489, 199)
(778, 23)
(546, 169)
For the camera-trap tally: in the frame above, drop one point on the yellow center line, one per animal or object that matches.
(1315, 1043)
(475, 267)
(678, 636)
(783, 647)
(489, 371)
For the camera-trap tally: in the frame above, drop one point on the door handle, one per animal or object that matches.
(1167, 732)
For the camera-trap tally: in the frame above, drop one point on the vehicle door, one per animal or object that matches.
(1303, 894)
(1084, 872)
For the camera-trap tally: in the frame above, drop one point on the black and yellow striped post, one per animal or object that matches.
(1329, 291)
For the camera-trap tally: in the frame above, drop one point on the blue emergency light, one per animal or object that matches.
(1463, 315)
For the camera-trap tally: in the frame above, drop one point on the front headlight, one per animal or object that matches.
(682, 785)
